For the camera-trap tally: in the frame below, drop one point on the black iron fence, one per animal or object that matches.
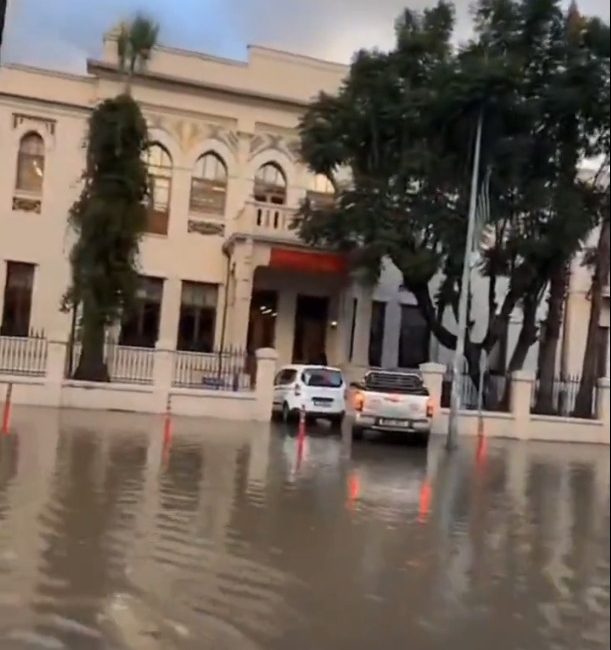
(24, 355)
(560, 398)
(495, 393)
(231, 369)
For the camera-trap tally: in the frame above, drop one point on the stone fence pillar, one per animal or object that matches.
(432, 375)
(267, 359)
(56, 372)
(163, 371)
(522, 382)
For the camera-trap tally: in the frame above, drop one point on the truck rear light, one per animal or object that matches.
(430, 409)
(359, 402)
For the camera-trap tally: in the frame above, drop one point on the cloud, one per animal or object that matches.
(62, 33)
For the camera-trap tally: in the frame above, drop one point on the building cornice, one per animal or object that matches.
(108, 70)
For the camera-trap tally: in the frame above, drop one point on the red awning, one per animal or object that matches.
(307, 261)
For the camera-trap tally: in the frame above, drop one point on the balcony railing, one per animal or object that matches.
(268, 220)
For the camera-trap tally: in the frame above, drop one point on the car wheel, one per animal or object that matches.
(336, 422)
(288, 416)
(423, 439)
(357, 433)
(276, 416)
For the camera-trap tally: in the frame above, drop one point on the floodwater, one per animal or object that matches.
(230, 538)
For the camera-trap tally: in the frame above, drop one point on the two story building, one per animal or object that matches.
(220, 263)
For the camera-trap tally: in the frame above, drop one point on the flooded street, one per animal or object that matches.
(227, 539)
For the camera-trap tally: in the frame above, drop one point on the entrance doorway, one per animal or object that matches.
(309, 345)
(262, 322)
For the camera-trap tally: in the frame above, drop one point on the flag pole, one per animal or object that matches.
(457, 365)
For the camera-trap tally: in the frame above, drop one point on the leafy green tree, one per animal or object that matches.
(403, 122)
(573, 111)
(599, 259)
(109, 217)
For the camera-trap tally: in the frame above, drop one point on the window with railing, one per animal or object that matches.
(140, 326)
(17, 303)
(208, 185)
(270, 184)
(197, 317)
(30, 173)
(159, 163)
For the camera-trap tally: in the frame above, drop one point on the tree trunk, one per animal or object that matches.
(442, 334)
(589, 371)
(551, 339)
(92, 366)
(526, 339)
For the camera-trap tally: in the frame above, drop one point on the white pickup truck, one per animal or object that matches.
(393, 401)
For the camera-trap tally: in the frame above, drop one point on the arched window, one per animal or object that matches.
(30, 164)
(270, 184)
(321, 192)
(159, 163)
(209, 185)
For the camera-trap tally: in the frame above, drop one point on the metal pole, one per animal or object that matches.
(71, 340)
(464, 295)
(480, 394)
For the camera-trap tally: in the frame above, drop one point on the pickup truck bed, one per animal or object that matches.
(393, 401)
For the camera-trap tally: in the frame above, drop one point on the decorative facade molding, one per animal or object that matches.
(24, 204)
(272, 141)
(188, 132)
(35, 121)
(206, 227)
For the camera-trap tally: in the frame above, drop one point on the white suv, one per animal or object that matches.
(319, 390)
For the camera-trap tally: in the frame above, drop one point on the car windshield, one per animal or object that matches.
(322, 378)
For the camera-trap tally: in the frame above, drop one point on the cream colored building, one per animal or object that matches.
(221, 262)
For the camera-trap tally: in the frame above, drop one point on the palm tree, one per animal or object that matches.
(135, 40)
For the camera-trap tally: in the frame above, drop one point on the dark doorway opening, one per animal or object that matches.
(309, 345)
(262, 322)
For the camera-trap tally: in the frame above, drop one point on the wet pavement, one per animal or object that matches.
(231, 539)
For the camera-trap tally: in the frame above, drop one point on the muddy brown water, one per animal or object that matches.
(231, 539)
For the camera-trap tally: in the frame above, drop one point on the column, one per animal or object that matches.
(285, 324)
(340, 323)
(360, 355)
(392, 331)
(2, 281)
(239, 312)
(170, 313)
(522, 383)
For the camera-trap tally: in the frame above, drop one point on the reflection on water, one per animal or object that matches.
(234, 537)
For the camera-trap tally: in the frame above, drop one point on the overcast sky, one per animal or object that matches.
(62, 33)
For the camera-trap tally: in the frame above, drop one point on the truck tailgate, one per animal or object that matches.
(395, 406)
